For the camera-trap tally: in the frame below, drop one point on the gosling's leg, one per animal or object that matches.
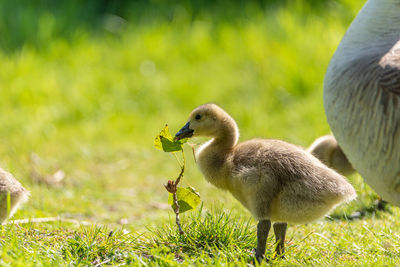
(280, 233)
(262, 235)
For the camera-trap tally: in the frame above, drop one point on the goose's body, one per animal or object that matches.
(362, 96)
(276, 181)
(12, 194)
(327, 150)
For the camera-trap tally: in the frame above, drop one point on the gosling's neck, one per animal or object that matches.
(213, 156)
(227, 137)
(375, 30)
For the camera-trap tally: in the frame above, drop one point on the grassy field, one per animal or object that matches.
(89, 105)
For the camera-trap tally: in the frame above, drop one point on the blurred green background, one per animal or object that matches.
(85, 86)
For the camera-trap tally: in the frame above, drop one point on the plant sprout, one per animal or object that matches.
(181, 199)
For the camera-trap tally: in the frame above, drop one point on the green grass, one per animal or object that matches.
(90, 104)
(215, 237)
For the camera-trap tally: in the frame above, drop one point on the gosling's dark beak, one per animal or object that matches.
(185, 132)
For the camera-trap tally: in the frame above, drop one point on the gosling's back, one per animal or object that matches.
(282, 182)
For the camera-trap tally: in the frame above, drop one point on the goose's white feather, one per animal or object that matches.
(362, 96)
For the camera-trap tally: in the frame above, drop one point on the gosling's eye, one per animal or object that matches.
(198, 117)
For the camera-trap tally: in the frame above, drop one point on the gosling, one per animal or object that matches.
(12, 195)
(327, 150)
(276, 181)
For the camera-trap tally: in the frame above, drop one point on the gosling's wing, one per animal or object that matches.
(274, 159)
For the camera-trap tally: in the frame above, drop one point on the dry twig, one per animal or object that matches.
(172, 187)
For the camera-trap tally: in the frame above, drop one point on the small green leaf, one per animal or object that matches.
(193, 190)
(170, 146)
(188, 199)
(164, 133)
(164, 141)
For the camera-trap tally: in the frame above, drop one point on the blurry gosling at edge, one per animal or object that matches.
(12, 195)
(327, 150)
(276, 181)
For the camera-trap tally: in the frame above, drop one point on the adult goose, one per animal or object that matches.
(362, 96)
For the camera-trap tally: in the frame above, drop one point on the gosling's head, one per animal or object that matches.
(207, 120)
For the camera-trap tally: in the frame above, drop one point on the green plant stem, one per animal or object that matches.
(172, 188)
(176, 210)
(182, 169)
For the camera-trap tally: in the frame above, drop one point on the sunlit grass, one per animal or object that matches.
(216, 237)
(90, 105)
